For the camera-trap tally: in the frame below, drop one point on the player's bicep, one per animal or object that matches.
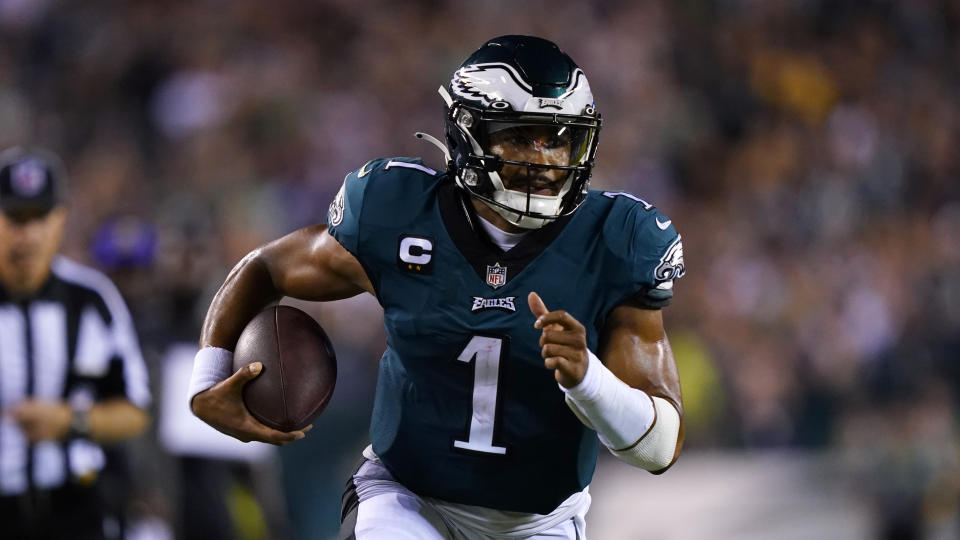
(311, 264)
(634, 346)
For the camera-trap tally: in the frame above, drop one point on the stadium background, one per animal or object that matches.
(807, 150)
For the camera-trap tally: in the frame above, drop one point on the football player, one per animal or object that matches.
(522, 313)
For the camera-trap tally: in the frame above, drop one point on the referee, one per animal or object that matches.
(71, 373)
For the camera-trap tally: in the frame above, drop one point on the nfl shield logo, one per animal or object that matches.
(28, 178)
(496, 276)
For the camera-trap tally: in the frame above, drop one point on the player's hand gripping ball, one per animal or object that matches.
(299, 367)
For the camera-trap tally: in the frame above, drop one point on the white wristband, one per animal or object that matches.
(210, 366)
(621, 415)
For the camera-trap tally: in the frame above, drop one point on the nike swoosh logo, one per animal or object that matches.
(364, 170)
(663, 224)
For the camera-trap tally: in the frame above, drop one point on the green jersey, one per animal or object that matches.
(465, 410)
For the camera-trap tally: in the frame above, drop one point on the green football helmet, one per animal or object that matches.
(528, 86)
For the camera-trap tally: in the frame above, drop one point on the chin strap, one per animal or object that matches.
(434, 141)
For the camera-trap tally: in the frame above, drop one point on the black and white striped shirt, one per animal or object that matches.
(72, 341)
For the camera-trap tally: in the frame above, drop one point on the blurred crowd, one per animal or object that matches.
(807, 150)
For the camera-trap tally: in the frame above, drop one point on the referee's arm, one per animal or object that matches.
(116, 419)
(111, 420)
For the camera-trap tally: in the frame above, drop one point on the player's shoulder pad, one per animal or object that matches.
(380, 186)
(645, 240)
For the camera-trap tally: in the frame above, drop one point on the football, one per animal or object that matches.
(299, 367)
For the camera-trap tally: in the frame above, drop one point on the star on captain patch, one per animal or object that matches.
(496, 275)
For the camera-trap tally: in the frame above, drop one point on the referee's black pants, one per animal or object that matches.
(71, 511)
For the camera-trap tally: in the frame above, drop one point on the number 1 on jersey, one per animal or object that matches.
(486, 376)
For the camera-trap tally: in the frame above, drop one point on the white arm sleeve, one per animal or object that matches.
(638, 429)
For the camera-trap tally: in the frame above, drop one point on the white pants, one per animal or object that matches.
(383, 509)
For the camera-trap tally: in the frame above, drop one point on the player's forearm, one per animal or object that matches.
(655, 371)
(116, 420)
(637, 351)
(247, 290)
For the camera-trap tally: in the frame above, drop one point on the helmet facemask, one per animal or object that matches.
(531, 168)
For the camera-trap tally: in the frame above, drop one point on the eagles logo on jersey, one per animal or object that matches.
(335, 213)
(671, 264)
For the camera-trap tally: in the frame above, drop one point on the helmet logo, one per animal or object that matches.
(550, 102)
(493, 82)
(496, 275)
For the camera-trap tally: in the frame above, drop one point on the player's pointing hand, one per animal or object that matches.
(563, 342)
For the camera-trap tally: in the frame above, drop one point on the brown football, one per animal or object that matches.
(299, 367)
